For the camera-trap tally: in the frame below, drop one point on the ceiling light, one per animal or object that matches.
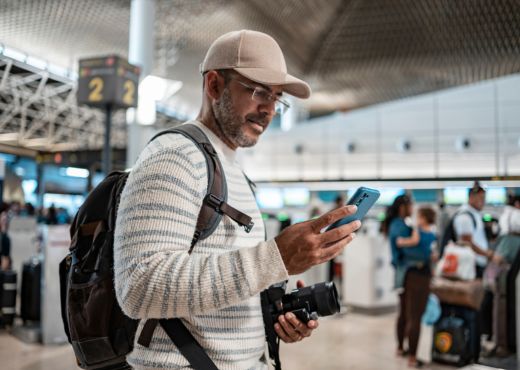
(37, 62)
(158, 88)
(14, 54)
(75, 172)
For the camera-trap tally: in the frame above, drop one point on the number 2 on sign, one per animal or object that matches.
(96, 84)
(128, 96)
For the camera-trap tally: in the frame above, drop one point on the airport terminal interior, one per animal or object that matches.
(414, 116)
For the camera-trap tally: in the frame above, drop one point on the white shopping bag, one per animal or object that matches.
(457, 262)
(424, 348)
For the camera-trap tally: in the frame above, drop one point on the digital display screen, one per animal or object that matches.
(328, 196)
(424, 195)
(496, 195)
(296, 197)
(456, 195)
(388, 195)
(269, 198)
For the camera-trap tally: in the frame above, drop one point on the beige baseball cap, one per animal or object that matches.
(256, 56)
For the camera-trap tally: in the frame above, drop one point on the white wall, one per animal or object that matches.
(487, 113)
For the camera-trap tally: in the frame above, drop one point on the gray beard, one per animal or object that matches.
(230, 123)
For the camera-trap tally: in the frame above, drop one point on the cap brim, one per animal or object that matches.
(290, 84)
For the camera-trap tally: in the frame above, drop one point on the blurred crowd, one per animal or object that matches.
(50, 216)
(46, 215)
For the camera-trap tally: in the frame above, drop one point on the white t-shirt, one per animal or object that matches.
(464, 224)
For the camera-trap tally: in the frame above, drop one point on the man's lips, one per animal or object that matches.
(262, 125)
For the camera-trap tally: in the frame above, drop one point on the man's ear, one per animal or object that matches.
(214, 84)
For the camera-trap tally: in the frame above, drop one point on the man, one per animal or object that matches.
(215, 289)
(469, 227)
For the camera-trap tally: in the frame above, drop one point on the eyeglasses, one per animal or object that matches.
(263, 96)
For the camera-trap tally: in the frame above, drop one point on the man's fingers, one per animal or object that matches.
(281, 333)
(289, 330)
(339, 233)
(331, 217)
(335, 249)
(313, 324)
(299, 326)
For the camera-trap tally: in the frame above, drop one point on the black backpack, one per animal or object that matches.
(100, 333)
(449, 232)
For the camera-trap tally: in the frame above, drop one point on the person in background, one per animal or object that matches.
(469, 227)
(418, 247)
(52, 215)
(5, 241)
(414, 274)
(508, 245)
(396, 226)
(443, 218)
(470, 230)
(495, 281)
(29, 209)
(513, 203)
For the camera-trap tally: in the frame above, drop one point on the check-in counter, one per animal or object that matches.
(56, 242)
(368, 277)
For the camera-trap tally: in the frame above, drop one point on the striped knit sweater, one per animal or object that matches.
(215, 290)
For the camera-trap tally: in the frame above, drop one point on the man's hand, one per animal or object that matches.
(303, 245)
(496, 258)
(290, 329)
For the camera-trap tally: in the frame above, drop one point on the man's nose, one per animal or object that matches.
(268, 108)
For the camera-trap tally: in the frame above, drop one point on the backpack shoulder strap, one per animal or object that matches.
(449, 232)
(215, 203)
(214, 206)
(467, 212)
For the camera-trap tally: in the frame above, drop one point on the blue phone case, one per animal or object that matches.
(364, 199)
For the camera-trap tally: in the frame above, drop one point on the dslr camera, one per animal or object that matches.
(307, 303)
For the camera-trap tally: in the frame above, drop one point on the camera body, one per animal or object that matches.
(307, 303)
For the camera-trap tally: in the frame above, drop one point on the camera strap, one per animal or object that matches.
(273, 341)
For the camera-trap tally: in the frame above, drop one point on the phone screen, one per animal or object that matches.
(364, 199)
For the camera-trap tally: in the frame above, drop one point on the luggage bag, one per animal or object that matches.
(7, 297)
(31, 290)
(456, 336)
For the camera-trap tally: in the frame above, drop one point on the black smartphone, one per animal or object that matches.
(364, 199)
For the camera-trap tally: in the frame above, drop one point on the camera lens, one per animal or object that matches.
(326, 298)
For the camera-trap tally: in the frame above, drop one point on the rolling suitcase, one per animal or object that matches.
(31, 290)
(456, 336)
(7, 297)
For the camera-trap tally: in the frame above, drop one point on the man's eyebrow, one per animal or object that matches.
(268, 88)
(265, 87)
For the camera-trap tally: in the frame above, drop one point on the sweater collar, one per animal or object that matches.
(224, 151)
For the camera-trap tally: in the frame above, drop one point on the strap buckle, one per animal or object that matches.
(214, 202)
(249, 226)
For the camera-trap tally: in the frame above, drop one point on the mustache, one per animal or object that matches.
(261, 119)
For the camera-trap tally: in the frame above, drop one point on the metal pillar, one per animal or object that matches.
(40, 180)
(107, 150)
(140, 52)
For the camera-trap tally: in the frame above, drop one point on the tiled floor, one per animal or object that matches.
(352, 341)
